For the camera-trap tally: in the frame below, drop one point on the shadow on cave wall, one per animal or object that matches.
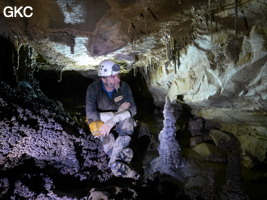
(8, 61)
(70, 91)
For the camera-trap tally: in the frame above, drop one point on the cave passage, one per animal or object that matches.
(47, 150)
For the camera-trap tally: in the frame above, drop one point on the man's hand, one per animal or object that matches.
(118, 117)
(105, 130)
(95, 127)
(124, 106)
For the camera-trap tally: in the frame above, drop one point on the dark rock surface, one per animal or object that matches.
(40, 143)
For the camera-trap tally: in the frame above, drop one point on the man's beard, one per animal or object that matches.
(117, 87)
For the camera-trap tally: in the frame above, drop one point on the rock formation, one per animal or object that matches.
(37, 136)
(170, 159)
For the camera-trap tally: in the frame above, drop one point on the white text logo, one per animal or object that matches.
(20, 11)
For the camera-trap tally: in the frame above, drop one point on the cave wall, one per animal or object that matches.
(221, 74)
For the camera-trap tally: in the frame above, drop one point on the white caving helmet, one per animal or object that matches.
(108, 68)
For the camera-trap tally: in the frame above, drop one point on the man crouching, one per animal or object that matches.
(110, 106)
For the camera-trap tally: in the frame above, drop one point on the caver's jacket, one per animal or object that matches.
(97, 100)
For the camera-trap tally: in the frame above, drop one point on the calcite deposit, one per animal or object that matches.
(170, 160)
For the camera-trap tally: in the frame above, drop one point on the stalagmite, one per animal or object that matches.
(169, 160)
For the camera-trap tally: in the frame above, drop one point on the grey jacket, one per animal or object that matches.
(97, 100)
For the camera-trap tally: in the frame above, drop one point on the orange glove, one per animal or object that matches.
(94, 127)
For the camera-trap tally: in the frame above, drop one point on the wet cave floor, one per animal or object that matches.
(70, 90)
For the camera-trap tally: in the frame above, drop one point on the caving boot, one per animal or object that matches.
(125, 155)
(108, 143)
(120, 144)
(120, 169)
(121, 155)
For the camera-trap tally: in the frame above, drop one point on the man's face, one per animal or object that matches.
(112, 82)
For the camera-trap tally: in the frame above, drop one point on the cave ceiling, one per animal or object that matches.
(77, 34)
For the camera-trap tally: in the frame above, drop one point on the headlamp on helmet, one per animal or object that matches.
(108, 68)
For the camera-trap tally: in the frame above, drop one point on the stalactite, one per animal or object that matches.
(175, 56)
(167, 51)
(172, 53)
(175, 63)
(207, 22)
(244, 18)
(28, 62)
(208, 18)
(181, 43)
(31, 56)
(166, 67)
(178, 55)
(60, 70)
(210, 14)
(171, 47)
(60, 76)
(134, 71)
(15, 55)
(145, 69)
(149, 64)
(129, 28)
(146, 19)
(17, 46)
(236, 16)
(18, 57)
